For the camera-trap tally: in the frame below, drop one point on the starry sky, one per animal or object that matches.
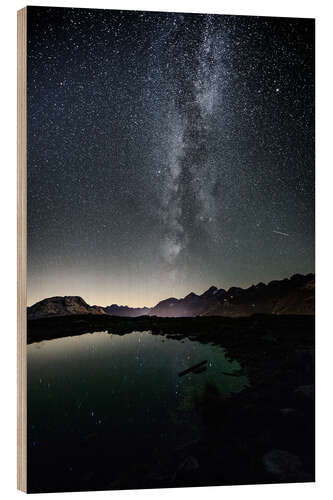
(167, 153)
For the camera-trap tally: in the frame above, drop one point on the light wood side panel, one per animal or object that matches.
(21, 249)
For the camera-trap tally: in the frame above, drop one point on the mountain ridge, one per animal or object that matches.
(294, 295)
(131, 312)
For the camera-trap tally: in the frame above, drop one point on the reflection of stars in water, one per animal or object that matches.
(139, 361)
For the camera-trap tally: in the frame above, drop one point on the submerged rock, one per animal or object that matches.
(288, 412)
(306, 390)
(282, 464)
(189, 465)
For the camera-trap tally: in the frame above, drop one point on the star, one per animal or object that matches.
(156, 142)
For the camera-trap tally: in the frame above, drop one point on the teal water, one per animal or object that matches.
(117, 398)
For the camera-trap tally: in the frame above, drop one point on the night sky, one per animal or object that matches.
(167, 153)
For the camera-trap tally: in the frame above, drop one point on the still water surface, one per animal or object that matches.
(103, 397)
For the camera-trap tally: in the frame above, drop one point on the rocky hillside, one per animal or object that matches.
(131, 312)
(289, 296)
(62, 306)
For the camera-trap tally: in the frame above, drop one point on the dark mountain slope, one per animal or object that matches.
(288, 296)
(131, 312)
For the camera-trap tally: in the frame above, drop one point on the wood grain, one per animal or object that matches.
(21, 249)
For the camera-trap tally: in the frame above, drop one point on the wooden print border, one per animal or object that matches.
(21, 249)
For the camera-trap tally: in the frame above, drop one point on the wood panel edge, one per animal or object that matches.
(21, 249)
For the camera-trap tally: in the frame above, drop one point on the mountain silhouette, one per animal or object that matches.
(288, 296)
(62, 306)
(131, 312)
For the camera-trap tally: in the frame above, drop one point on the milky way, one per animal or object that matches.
(167, 152)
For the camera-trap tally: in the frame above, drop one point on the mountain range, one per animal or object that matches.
(289, 296)
(131, 312)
